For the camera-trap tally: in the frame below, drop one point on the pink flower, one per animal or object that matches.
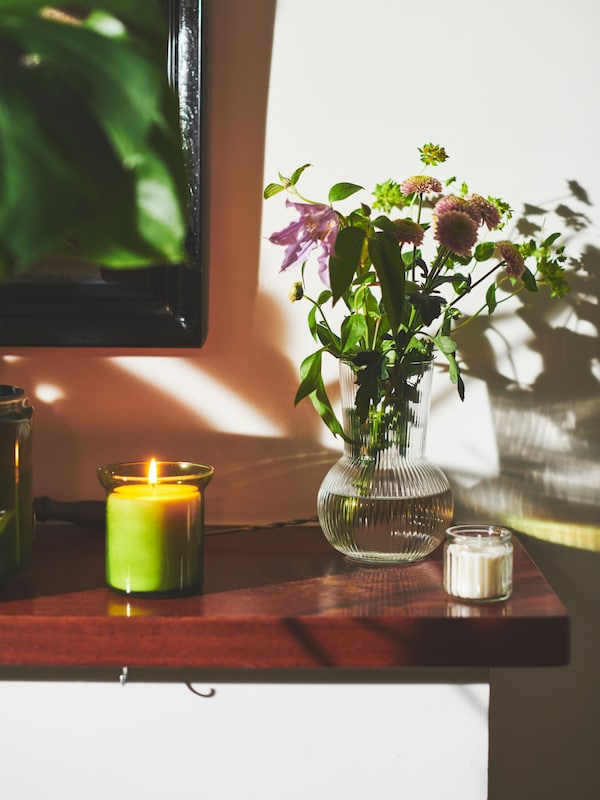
(455, 230)
(509, 253)
(316, 229)
(452, 203)
(488, 213)
(420, 184)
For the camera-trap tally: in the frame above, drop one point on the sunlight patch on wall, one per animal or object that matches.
(220, 407)
(48, 393)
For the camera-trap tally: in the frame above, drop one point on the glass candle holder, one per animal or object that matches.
(155, 526)
(16, 500)
(478, 562)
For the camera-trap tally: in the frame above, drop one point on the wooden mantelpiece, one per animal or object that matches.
(273, 598)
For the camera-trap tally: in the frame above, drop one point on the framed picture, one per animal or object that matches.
(82, 305)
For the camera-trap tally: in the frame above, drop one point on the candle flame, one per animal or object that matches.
(152, 472)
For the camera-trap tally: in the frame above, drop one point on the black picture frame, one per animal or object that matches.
(161, 306)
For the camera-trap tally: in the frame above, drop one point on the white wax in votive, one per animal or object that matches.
(482, 574)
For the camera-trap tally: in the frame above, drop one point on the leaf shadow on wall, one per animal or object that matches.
(547, 432)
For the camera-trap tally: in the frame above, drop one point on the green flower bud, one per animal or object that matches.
(296, 292)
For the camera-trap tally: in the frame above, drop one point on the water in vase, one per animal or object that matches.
(379, 529)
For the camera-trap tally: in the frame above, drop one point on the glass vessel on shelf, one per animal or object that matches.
(16, 500)
(383, 501)
(155, 526)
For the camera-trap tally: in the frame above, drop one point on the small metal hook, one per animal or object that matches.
(210, 693)
(123, 676)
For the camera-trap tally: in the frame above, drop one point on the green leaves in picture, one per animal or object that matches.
(91, 158)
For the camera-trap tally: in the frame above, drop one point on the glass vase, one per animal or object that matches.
(383, 501)
(16, 500)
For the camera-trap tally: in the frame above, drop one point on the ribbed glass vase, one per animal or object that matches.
(383, 501)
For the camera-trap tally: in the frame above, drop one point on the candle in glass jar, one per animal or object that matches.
(153, 538)
(154, 528)
(478, 562)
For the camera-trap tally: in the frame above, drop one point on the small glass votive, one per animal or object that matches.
(478, 562)
(155, 526)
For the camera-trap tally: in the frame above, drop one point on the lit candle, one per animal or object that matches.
(478, 562)
(154, 528)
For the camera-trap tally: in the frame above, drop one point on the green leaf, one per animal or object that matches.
(143, 15)
(447, 346)
(429, 306)
(353, 330)
(529, 280)
(456, 279)
(385, 224)
(484, 251)
(340, 191)
(312, 321)
(389, 265)
(345, 261)
(328, 339)
(297, 173)
(371, 364)
(323, 406)
(550, 239)
(91, 157)
(159, 218)
(272, 189)
(123, 109)
(490, 298)
(324, 297)
(310, 376)
(312, 386)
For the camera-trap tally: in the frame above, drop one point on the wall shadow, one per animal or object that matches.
(544, 723)
(547, 432)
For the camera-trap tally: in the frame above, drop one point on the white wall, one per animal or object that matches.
(511, 91)
(68, 741)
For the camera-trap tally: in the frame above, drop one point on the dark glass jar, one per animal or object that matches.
(16, 498)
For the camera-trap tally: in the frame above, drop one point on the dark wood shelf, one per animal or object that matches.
(273, 598)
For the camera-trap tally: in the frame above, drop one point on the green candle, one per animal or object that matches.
(154, 538)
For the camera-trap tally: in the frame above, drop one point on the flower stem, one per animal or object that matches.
(459, 297)
(483, 307)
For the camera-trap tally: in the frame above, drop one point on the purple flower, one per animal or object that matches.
(316, 228)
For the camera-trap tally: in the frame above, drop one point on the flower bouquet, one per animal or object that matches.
(401, 300)
(391, 300)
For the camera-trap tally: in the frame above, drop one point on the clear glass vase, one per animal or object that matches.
(383, 501)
